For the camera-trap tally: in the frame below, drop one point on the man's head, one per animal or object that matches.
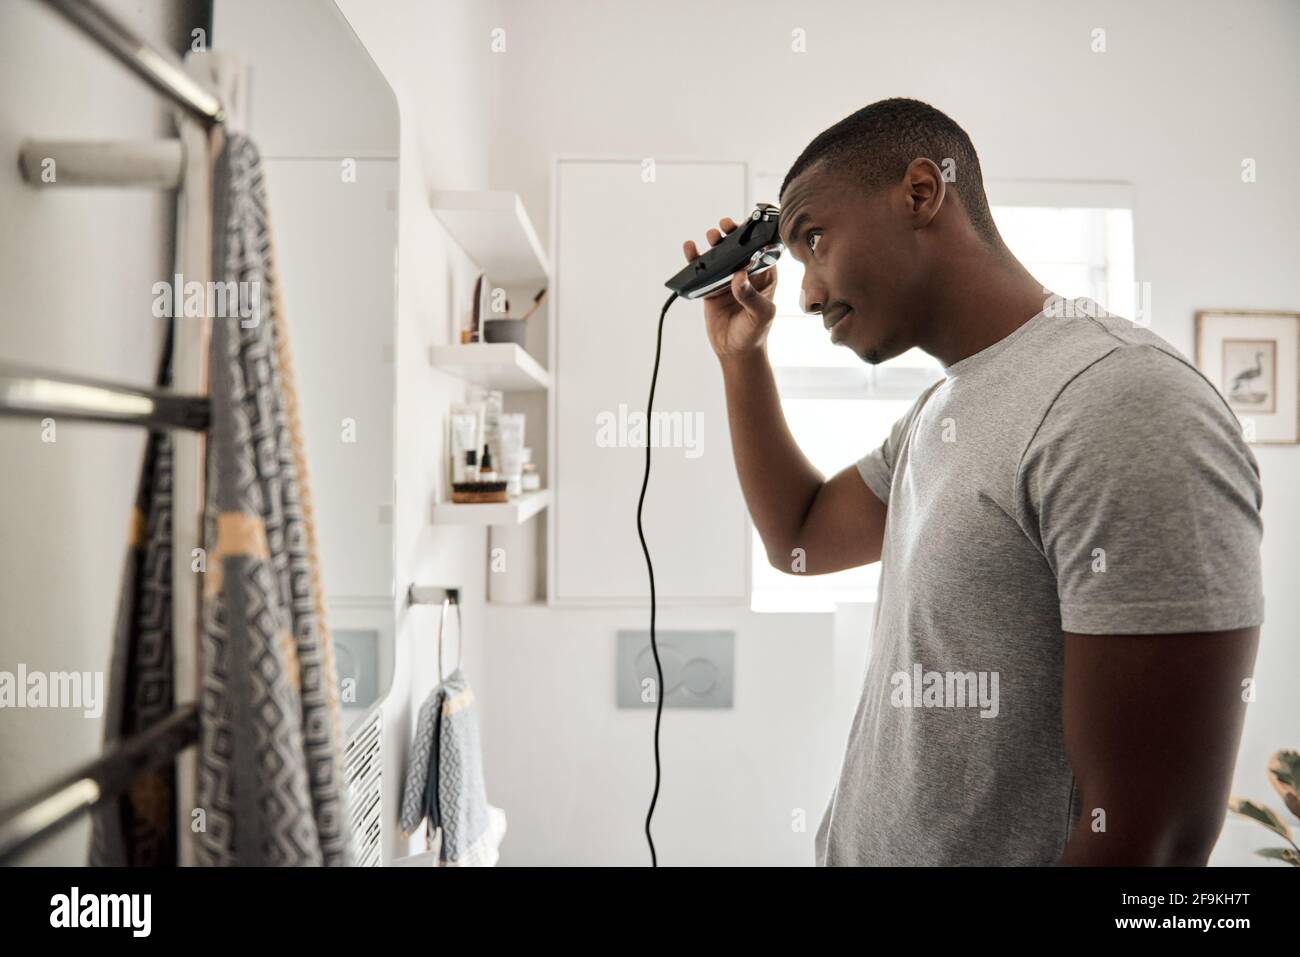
(876, 208)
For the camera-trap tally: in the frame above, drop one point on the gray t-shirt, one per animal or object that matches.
(1078, 475)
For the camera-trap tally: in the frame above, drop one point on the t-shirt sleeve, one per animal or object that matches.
(877, 466)
(1145, 501)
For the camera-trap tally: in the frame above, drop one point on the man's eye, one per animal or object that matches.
(811, 239)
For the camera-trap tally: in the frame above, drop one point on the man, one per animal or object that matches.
(1068, 524)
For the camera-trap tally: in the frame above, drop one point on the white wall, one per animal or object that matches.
(1183, 93)
(77, 299)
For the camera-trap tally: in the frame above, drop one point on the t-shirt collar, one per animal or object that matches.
(1051, 307)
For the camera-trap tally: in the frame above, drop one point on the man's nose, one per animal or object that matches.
(812, 298)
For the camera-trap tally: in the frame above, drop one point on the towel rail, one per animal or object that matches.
(432, 595)
(183, 163)
(153, 164)
(28, 392)
(57, 805)
(447, 598)
(156, 67)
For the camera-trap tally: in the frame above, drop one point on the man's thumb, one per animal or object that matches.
(741, 287)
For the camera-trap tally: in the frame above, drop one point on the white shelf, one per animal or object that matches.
(494, 230)
(493, 365)
(514, 512)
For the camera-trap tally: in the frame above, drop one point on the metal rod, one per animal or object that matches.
(191, 341)
(36, 394)
(432, 595)
(52, 808)
(156, 67)
(151, 164)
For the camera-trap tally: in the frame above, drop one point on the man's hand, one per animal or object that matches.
(739, 317)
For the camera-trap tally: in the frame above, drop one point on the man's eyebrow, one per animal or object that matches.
(794, 227)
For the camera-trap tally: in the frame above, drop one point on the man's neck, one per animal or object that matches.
(980, 301)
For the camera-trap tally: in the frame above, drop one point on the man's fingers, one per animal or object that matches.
(714, 236)
(741, 287)
(727, 224)
(762, 280)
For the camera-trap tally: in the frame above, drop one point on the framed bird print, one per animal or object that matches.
(1253, 358)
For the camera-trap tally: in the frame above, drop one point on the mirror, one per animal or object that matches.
(326, 123)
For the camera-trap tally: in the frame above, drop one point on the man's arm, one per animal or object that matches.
(1152, 726)
(838, 523)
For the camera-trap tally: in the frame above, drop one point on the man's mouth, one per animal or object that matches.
(831, 319)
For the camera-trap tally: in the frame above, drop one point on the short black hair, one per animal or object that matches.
(876, 144)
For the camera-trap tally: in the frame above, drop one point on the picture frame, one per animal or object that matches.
(1253, 358)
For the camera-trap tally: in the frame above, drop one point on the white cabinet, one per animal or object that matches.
(617, 238)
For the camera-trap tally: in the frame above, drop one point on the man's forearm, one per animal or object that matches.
(778, 481)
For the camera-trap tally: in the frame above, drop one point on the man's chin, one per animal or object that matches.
(875, 351)
(872, 352)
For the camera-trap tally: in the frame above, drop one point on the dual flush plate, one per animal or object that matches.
(698, 668)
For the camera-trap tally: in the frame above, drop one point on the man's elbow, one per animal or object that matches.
(1191, 843)
(786, 558)
(1186, 842)
(1186, 837)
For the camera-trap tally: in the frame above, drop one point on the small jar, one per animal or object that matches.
(530, 478)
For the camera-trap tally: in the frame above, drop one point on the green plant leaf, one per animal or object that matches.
(1287, 854)
(1263, 814)
(1284, 775)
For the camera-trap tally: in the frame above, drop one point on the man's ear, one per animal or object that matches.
(924, 190)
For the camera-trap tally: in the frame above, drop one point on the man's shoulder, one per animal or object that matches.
(1141, 410)
(1108, 365)
(1121, 398)
(1143, 374)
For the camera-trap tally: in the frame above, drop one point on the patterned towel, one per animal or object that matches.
(269, 763)
(444, 780)
(139, 829)
(270, 784)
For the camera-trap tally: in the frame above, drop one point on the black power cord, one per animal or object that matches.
(659, 671)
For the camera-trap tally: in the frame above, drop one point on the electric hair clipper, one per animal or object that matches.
(753, 247)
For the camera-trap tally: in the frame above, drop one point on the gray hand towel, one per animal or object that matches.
(444, 776)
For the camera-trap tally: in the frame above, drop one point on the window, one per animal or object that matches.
(1075, 238)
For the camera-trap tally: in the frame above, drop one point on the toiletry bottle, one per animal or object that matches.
(471, 466)
(487, 473)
